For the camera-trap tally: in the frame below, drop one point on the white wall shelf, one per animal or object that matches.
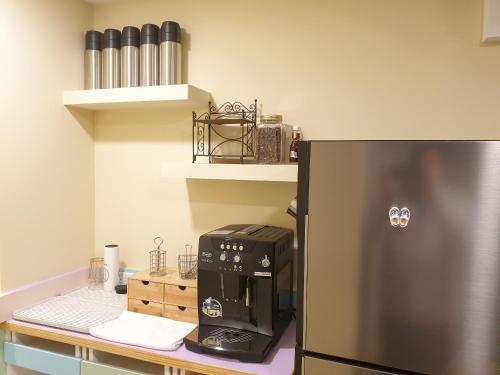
(237, 172)
(491, 21)
(137, 97)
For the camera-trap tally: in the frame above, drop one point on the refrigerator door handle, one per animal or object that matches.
(304, 312)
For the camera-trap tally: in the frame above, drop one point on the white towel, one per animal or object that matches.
(143, 330)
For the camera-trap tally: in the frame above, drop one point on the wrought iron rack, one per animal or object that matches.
(214, 130)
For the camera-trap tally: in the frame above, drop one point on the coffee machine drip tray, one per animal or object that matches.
(243, 345)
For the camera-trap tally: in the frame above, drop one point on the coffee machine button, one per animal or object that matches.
(240, 248)
(265, 262)
(222, 246)
(223, 256)
(235, 247)
(237, 258)
(228, 246)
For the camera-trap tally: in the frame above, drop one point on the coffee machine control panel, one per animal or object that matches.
(250, 258)
(229, 246)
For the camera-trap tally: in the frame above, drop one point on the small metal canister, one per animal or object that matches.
(92, 63)
(111, 59)
(129, 56)
(170, 53)
(148, 51)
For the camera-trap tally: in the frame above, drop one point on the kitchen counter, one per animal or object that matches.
(280, 360)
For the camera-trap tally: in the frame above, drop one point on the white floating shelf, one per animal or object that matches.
(137, 97)
(237, 172)
(491, 21)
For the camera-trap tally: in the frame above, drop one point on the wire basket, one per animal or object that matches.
(158, 259)
(188, 266)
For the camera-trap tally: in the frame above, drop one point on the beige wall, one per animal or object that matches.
(134, 203)
(339, 69)
(46, 155)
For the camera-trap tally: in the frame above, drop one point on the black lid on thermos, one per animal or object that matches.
(111, 38)
(93, 40)
(149, 34)
(131, 36)
(170, 32)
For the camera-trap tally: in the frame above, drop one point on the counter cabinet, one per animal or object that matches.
(53, 357)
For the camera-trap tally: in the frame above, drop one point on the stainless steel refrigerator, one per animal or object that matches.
(399, 258)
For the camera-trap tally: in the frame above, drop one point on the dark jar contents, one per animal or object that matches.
(294, 146)
(270, 138)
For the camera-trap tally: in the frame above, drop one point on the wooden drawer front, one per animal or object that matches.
(145, 290)
(40, 360)
(182, 313)
(145, 307)
(181, 295)
(92, 368)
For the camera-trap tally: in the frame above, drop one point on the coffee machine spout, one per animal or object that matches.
(248, 291)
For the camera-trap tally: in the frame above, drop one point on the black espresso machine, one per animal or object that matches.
(244, 291)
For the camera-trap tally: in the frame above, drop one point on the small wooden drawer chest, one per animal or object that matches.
(168, 296)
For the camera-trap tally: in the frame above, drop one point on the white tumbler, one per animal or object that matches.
(112, 266)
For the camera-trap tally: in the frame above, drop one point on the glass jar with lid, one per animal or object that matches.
(270, 140)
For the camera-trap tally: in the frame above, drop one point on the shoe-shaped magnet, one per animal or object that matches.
(404, 217)
(394, 216)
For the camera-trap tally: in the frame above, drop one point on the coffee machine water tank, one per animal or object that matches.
(244, 291)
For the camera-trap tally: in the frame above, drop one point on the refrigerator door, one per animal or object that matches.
(420, 297)
(316, 366)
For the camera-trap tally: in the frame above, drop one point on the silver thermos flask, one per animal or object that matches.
(148, 51)
(111, 59)
(129, 56)
(93, 67)
(170, 53)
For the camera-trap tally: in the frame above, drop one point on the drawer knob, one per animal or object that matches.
(181, 287)
(145, 302)
(145, 282)
(182, 308)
